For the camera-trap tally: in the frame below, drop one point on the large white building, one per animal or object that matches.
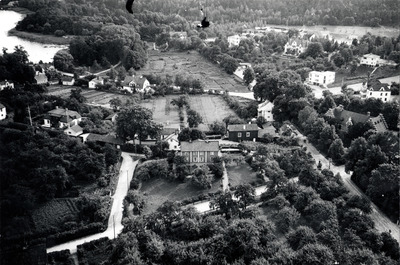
(265, 110)
(370, 60)
(4, 84)
(234, 40)
(379, 91)
(3, 112)
(96, 81)
(321, 78)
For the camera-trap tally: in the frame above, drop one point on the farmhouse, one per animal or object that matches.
(239, 72)
(60, 118)
(379, 91)
(321, 78)
(68, 80)
(349, 118)
(41, 78)
(3, 112)
(242, 132)
(142, 84)
(265, 110)
(370, 59)
(103, 139)
(4, 84)
(96, 81)
(75, 130)
(128, 84)
(199, 151)
(173, 142)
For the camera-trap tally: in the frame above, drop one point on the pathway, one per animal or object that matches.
(115, 219)
(98, 73)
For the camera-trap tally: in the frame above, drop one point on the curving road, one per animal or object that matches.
(115, 219)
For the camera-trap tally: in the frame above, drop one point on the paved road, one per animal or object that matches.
(382, 222)
(124, 178)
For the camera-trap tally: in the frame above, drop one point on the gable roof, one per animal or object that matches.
(5, 82)
(110, 139)
(41, 78)
(379, 87)
(97, 80)
(139, 81)
(265, 103)
(2, 106)
(75, 129)
(371, 55)
(67, 78)
(242, 127)
(202, 146)
(127, 80)
(60, 112)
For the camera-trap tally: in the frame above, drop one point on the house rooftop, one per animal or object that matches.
(67, 78)
(59, 112)
(2, 106)
(265, 103)
(242, 127)
(201, 146)
(76, 129)
(110, 139)
(377, 86)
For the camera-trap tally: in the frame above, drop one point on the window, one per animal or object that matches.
(381, 94)
(247, 134)
(385, 99)
(239, 134)
(385, 94)
(211, 153)
(195, 159)
(370, 93)
(201, 158)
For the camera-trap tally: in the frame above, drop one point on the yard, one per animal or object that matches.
(240, 174)
(163, 111)
(158, 191)
(194, 65)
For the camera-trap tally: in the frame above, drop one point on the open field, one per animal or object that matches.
(240, 174)
(211, 108)
(159, 191)
(163, 110)
(194, 65)
(54, 214)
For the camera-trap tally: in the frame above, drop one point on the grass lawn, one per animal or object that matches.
(163, 110)
(158, 191)
(240, 174)
(211, 108)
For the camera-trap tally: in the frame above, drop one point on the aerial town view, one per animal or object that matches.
(199, 132)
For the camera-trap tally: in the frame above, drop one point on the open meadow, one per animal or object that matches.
(194, 65)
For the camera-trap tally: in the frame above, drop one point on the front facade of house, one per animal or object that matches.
(370, 59)
(265, 110)
(239, 72)
(96, 81)
(60, 118)
(3, 112)
(4, 84)
(295, 46)
(199, 151)
(242, 132)
(321, 78)
(379, 91)
(141, 84)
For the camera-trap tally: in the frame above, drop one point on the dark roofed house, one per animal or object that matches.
(242, 132)
(348, 118)
(199, 151)
(104, 139)
(379, 90)
(60, 118)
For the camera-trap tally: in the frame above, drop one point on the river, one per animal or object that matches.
(36, 51)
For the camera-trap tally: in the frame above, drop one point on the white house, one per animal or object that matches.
(75, 130)
(239, 72)
(295, 46)
(3, 112)
(142, 84)
(96, 81)
(178, 34)
(370, 59)
(321, 78)
(40, 78)
(4, 84)
(265, 110)
(379, 91)
(68, 80)
(234, 40)
(173, 142)
(60, 118)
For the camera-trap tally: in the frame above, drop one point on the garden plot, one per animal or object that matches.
(194, 65)
(163, 111)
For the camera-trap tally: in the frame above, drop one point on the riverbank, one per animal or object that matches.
(40, 38)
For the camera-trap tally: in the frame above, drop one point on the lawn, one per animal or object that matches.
(194, 65)
(163, 111)
(240, 174)
(158, 191)
(211, 108)
(54, 214)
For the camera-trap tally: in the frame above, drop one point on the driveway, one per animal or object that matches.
(115, 219)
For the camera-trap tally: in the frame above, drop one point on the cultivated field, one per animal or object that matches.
(54, 214)
(194, 65)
